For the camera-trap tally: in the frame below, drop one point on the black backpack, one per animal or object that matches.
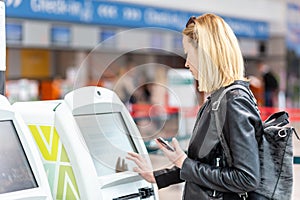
(275, 151)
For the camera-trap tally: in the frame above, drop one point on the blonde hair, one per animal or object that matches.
(220, 58)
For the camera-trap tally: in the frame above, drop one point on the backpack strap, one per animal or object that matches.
(277, 119)
(215, 107)
(216, 104)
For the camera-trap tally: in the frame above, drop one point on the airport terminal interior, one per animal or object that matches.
(74, 71)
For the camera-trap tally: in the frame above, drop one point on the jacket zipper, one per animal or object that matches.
(217, 165)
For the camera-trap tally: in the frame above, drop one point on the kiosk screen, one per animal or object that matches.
(108, 141)
(15, 171)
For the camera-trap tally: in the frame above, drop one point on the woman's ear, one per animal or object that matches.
(194, 43)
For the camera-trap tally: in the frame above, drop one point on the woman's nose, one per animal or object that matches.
(186, 64)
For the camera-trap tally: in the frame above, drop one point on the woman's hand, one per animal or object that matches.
(177, 157)
(143, 167)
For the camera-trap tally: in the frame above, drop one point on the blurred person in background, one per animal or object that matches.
(257, 87)
(215, 60)
(132, 85)
(125, 84)
(270, 83)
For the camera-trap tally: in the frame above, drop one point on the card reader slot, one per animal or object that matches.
(130, 196)
(144, 193)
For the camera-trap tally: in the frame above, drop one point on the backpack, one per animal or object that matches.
(275, 151)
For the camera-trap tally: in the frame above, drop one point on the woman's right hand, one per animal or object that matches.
(143, 167)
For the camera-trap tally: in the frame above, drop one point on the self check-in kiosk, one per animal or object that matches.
(22, 175)
(94, 132)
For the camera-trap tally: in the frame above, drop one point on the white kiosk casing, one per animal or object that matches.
(22, 176)
(96, 131)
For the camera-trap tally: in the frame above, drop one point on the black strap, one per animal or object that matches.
(277, 119)
(215, 107)
(222, 138)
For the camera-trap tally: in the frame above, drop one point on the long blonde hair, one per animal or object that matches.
(220, 58)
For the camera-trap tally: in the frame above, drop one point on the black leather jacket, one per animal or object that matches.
(242, 129)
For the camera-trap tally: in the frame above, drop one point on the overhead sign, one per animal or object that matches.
(13, 3)
(121, 14)
(248, 28)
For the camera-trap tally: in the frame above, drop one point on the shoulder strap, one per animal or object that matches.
(216, 104)
(215, 107)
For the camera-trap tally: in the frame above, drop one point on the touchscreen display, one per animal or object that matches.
(108, 141)
(15, 171)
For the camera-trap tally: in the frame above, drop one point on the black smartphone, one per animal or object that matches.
(165, 143)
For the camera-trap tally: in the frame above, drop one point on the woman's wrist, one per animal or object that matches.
(152, 180)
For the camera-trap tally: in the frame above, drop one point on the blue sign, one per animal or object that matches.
(13, 33)
(60, 35)
(108, 36)
(121, 14)
(248, 28)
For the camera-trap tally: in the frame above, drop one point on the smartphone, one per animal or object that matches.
(165, 143)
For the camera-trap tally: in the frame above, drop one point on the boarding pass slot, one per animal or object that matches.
(143, 194)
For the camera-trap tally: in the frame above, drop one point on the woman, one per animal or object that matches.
(215, 60)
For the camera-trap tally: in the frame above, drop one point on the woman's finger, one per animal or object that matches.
(175, 143)
(136, 155)
(137, 170)
(164, 149)
(143, 168)
(133, 154)
(159, 144)
(137, 161)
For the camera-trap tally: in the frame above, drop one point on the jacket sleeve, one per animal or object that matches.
(166, 177)
(241, 124)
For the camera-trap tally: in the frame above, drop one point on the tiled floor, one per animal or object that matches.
(174, 192)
